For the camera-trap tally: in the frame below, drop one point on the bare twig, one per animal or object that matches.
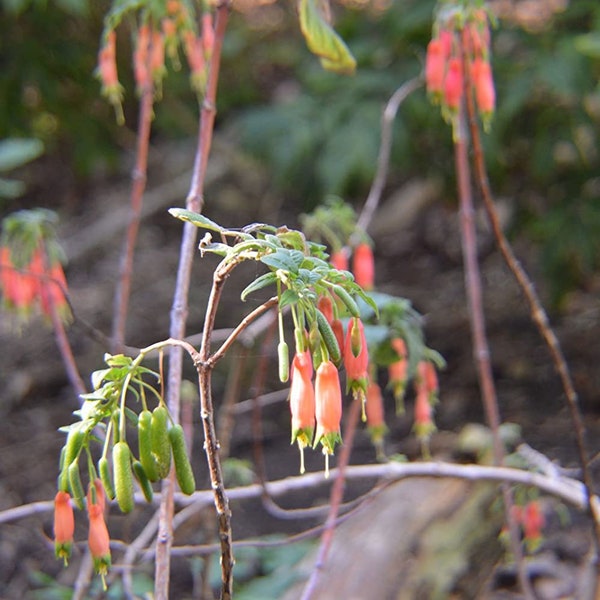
(538, 314)
(385, 147)
(478, 333)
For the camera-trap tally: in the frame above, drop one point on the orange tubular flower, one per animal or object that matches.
(302, 402)
(325, 305)
(435, 68)
(453, 84)
(194, 52)
(356, 360)
(98, 539)
(533, 521)
(376, 417)
(363, 266)
(338, 331)
(52, 292)
(427, 379)
(107, 72)
(398, 373)
(339, 260)
(64, 526)
(485, 93)
(328, 400)
(140, 58)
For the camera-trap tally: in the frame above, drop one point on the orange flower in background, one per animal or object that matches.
(363, 266)
(325, 305)
(338, 331)
(140, 58)
(485, 93)
(426, 387)
(533, 522)
(453, 84)
(328, 400)
(398, 373)
(19, 287)
(64, 526)
(376, 417)
(339, 260)
(435, 67)
(427, 379)
(107, 73)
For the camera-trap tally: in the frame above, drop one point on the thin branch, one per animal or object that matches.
(385, 148)
(538, 314)
(179, 310)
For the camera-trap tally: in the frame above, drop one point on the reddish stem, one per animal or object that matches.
(123, 291)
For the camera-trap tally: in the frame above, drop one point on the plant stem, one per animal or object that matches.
(123, 291)
(178, 317)
(480, 344)
(538, 314)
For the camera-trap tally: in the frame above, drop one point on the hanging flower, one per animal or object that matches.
(107, 72)
(339, 260)
(64, 526)
(376, 417)
(485, 93)
(302, 402)
(328, 400)
(398, 373)
(453, 84)
(356, 360)
(363, 266)
(98, 540)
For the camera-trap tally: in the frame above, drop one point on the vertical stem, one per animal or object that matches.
(179, 308)
(122, 294)
(480, 344)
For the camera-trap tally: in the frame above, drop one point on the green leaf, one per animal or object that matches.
(287, 260)
(118, 10)
(288, 297)
(588, 44)
(259, 283)
(10, 188)
(195, 219)
(15, 152)
(323, 41)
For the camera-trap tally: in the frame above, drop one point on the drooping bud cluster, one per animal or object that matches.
(162, 30)
(31, 275)
(461, 40)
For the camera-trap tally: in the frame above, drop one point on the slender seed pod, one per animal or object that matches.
(283, 356)
(73, 446)
(145, 445)
(347, 300)
(183, 468)
(123, 476)
(105, 477)
(161, 450)
(142, 477)
(328, 337)
(75, 485)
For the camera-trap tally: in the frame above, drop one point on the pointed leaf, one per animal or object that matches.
(259, 283)
(323, 41)
(195, 219)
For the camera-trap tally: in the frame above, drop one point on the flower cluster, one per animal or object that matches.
(162, 28)
(31, 274)
(461, 40)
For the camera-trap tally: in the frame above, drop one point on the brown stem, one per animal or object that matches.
(123, 291)
(538, 314)
(180, 300)
(337, 494)
(480, 344)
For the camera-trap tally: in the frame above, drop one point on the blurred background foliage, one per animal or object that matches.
(317, 132)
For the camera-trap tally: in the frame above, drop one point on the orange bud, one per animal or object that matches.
(338, 330)
(424, 424)
(435, 67)
(427, 379)
(398, 373)
(64, 525)
(485, 93)
(98, 539)
(325, 305)
(339, 260)
(328, 400)
(453, 84)
(363, 266)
